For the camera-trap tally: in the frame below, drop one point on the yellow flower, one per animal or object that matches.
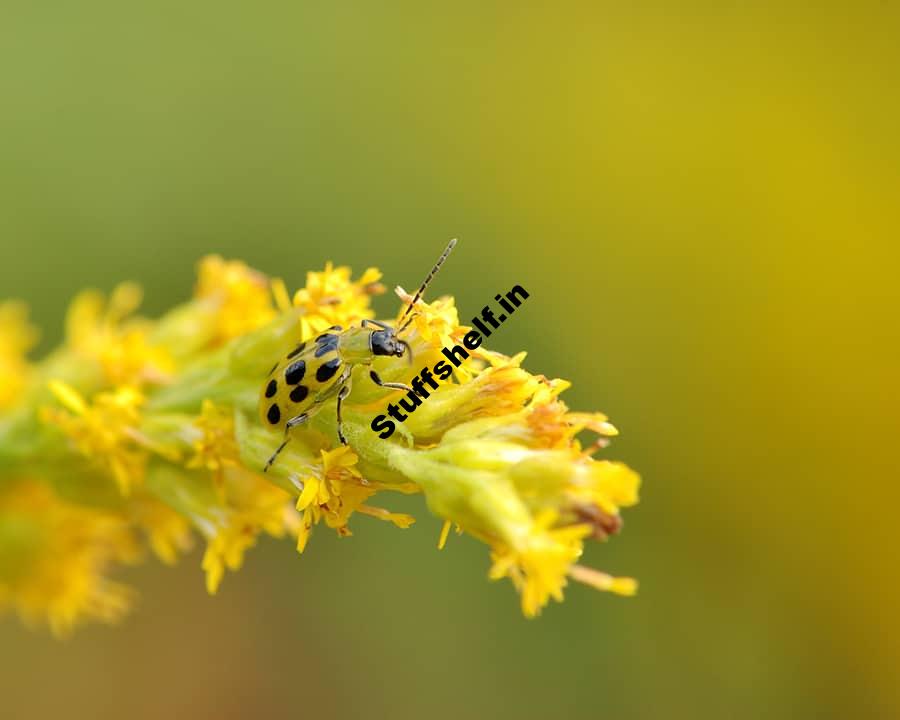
(436, 323)
(168, 533)
(17, 337)
(106, 432)
(215, 448)
(239, 298)
(335, 490)
(539, 561)
(106, 333)
(332, 298)
(254, 506)
(54, 557)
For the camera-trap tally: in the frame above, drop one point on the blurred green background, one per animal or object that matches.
(702, 199)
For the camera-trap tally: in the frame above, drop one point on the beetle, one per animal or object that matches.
(317, 370)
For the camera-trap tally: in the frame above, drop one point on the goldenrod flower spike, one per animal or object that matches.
(142, 435)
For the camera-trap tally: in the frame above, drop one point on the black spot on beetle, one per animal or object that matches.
(299, 393)
(295, 372)
(329, 344)
(327, 370)
(274, 414)
(271, 388)
(297, 350)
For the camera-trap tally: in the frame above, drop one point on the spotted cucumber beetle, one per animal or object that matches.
(318, 370)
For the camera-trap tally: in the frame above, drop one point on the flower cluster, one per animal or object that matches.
(138, 436)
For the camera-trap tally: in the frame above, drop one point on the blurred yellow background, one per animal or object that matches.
(702, 200)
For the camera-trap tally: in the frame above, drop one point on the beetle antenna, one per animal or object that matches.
(408, 321)
(437, 266)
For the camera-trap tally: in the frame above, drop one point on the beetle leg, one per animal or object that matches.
(381, 383)
(366, 322)
(293, 422)
(344, 392)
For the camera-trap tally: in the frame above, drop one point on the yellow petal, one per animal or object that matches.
(310, 490)
(68, 396)
(445, 531)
